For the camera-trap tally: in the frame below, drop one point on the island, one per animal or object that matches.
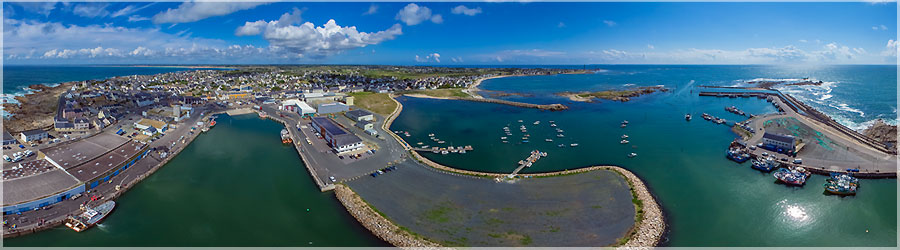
(612, 95)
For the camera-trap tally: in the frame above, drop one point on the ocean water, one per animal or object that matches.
(17, 78)
(708, 200)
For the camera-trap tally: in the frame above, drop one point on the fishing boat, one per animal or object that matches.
(90, 216)
(520, 120)
(552, 124)
(420, 143)
(440, 142)
(623, 142)
(286, 137)
(624, 136)
(624, 125)
(560, 131)
(204, 130)
(574, 145)
(790, 177)
(503, 138)
(431, 135)
(687, 117)
(840, 188)
(625, 122)
(765, 164)
(560, 135)
(706, 116)
(632, 155)
(537, 122)
(841, 178)
(737, 155)
(212, 123)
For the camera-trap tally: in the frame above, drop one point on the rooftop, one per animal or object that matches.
(329, 125)
(69, 155)
(100, 165)
(36, 186)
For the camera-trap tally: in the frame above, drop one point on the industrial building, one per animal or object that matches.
(777, 142)
(360, 115)
(364, 125)
(338, 138)
(68, 169)
(295, 105)
(331, 108)
(150, 127)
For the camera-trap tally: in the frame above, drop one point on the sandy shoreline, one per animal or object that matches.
(473, 89)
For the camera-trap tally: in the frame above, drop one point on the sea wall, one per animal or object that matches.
(378, 224)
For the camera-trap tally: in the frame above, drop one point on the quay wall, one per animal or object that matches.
(59, 220)
(312, 171)
(552, 107)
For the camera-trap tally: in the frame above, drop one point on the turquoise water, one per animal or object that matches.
(708, 200)
(237, 185)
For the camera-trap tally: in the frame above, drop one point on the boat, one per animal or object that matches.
(687, 117)
(90, 216)
(548, 140)
(520, 120)
(505, 141)
(706, 116)
(443, 152)
(790, 177)
(840, 188)
(632, 155)
(560, 135)
(552, 124)
(560, 131)
(625, 122)
(431, 135)
(624, 125)
(524, 141)
(212, 123)
(503, 138)
(204, 130)
(286, 137)
(574, 144)
(440, 142)
(562, 145)
(420, 143)
(623, 142)
(624, 136)
(765, 164)
(737, 155)
(537, 122)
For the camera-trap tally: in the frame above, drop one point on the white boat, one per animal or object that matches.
(520, 120)
(624, 136)
(624, 125)
(625, 122)
(440, 142)
(562, 145)
(624, 142)
(431, 135)
(560, 135)
(574, 144)
(537, 122)
(548, 140)
(552, 124)
(503, 138)
(632, 155)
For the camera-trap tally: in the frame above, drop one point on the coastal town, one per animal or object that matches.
(66, 163)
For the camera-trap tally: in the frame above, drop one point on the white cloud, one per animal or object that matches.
(650, 46)
(372, 10)
(308, 40)
(802, 40)
(462, 9)
(43, 8)
(429, 58)
(128, 10)
(414, 14)
(136, 18)
(609, 23)
(91, 10)
(532, 55)
(194, 11)
(879, 27)
(890, 50)
(456, 59)
(833, 51)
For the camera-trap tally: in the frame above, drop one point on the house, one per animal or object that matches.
(778, 142)
(365, 125)
(8, 138)
(33, 135)
(360, 115)
(338, 138)
(150, 127)
(334, 107)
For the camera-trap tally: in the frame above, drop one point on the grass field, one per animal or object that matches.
(454, 92)
(376, 102)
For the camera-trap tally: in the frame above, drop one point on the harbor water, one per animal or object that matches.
(236, 185)
(708, 200)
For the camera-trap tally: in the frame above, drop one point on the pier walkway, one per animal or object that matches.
(535, 155)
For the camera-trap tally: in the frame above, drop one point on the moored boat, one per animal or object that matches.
(90, 216)
(765, 164)
(286, 137)
(790, 177)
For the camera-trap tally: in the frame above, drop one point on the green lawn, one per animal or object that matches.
(379, 103)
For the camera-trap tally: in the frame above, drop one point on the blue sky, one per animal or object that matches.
(449, 34)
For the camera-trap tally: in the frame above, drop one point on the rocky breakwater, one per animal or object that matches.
(612, 95)
(883, 132)
(551, 107)
(377, 223)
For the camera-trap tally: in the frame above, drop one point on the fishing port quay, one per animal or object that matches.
(800, 136)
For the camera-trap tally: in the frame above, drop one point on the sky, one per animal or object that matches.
(447, 34)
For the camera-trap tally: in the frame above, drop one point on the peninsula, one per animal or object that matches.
(612, 95)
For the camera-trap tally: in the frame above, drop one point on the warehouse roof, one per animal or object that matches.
(329, 126)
